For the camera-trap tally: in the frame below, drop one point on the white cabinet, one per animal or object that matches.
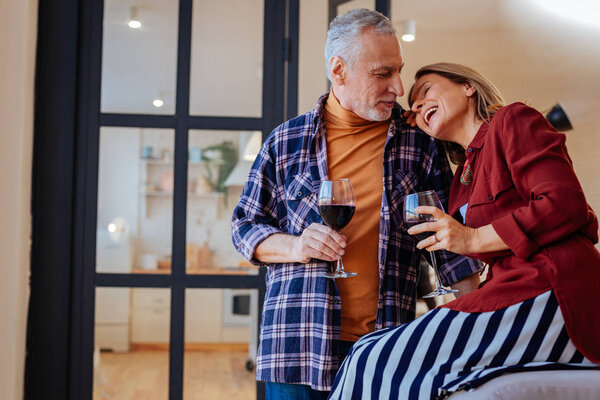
(150, 313)
(112, 319)
(113, 254)
(203, 317)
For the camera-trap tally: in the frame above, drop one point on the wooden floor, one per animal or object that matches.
(210, 375)
(145, 375)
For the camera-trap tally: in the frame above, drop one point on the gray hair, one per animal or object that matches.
(345, 29)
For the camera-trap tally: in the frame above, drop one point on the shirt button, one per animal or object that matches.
(299, 194)
(470, 150)
(337, 301)
(490, 197)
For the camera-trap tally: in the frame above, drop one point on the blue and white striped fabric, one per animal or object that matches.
(445, 351)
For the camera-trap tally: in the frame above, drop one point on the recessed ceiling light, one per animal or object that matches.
(408, 30)
(159, 100)
(134, 22)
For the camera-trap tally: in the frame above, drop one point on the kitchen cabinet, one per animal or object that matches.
(112, 319)
(150, 315)
(203, 317)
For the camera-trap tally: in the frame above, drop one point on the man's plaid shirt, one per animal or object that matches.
(302, 310)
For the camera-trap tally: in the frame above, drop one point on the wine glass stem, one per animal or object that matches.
(339, 265)
(438, 281)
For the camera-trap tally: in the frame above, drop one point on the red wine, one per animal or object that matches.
(421, 219)
(423, 235)
(336, 216)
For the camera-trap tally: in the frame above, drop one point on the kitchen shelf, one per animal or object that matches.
(162, 193)
(160, 162)
(202, 271)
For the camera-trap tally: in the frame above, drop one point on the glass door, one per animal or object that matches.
(174, 117)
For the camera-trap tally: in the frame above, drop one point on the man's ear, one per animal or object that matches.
(469, 90)
(337, 70)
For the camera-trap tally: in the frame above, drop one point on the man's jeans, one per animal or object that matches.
(291, 391)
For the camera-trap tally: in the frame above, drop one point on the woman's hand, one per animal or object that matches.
(449, 233)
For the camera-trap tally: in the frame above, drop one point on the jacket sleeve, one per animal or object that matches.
(542, 172)
(256, 216)
(452, 267)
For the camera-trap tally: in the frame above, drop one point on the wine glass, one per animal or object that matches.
(411, 217)
(336, 206)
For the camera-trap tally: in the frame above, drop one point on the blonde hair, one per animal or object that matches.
(488, 98)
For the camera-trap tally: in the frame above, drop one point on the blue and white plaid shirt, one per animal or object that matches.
(301, 318)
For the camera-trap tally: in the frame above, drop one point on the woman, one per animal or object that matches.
(516, 204)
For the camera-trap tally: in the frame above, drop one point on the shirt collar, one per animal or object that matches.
(479, 139)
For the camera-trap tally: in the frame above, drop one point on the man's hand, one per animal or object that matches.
(411, 118)
(319, 241)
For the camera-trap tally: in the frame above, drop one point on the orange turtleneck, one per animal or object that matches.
(355, 151)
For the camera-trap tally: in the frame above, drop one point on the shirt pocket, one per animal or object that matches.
(403, 183)
(490, 187)
(301, 202)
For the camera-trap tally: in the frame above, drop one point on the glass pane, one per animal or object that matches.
(312, 78)
(352, 4)
(135, 200)
(219, 163)
(139, 64)
(227, 57)
(220, 344)
(131, 351)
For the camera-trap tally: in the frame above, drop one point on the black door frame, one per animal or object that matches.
(59, 361)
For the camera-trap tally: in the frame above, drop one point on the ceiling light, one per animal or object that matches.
(408, 30)
(134, 22)
(159, 101)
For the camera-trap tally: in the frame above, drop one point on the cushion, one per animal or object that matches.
(535, 385)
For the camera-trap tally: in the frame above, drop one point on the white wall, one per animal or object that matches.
(18, 27)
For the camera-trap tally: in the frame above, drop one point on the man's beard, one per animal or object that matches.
(364, 110)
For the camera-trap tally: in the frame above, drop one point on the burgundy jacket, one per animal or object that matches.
(524, 185)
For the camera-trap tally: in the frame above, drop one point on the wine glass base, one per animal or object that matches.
(439, 292)
(339, 274)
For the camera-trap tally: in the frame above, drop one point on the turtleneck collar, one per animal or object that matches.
(337, 115)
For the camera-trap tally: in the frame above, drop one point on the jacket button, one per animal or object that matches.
(490, 197)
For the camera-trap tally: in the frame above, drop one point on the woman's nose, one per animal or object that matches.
(416, 107)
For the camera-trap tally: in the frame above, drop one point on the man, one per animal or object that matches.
(357, 131)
